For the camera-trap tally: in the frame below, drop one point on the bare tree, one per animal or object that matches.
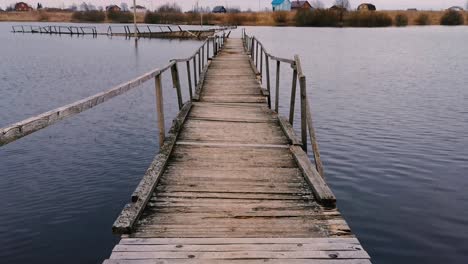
(343, 4)
(317, 4)
(124, 7)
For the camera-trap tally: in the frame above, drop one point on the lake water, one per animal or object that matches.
(390, 108)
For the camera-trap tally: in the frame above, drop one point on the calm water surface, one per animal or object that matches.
(390, 109)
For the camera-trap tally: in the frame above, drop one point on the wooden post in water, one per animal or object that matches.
(160, 109)
(278, 63)
(135, 20)
(267, 62)
(176, 82)
(189, 79)
(293, 96)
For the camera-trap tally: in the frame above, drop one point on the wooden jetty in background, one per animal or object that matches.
(232, 182)
(142, 31)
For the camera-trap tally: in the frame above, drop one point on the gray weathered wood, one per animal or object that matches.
(313, 140)
(267, 64)
(142, 193)
(293, 97)
(303, 100)
(160, 109)
(189, 80)
(321, 190)
(176, 83)
(289, 131)
(278, 63)
(236, 187)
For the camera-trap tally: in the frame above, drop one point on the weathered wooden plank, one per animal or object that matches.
(319, 186)
(237, 261)
(232, 132)
(289, 131)
(240, 247)
(142, 194)
(217, 241)
(243, 255)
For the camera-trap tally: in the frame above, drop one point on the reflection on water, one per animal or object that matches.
(390, 110)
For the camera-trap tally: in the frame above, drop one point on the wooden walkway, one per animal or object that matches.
(234, 188)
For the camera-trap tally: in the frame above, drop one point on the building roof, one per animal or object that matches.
(277, 2)
(219, 9)
(298, 4)
(369, 6)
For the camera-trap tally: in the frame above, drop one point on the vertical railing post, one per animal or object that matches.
(189, 77)
(278, 63)
(252, 49)
(261, 64)
(195, 72)
(267, 64)
(203, 56)
(214, 46)
(199, 63)
(160, 109)
(176, 83)
(207, 50)
(256, 55)
(302, 85)
(293, 96)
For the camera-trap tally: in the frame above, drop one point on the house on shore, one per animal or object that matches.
(281, 5)
(455, 8)
(22, 7)
(366, 7)
(299, 5)
(139, 9)
(219, 9)
(113, 8)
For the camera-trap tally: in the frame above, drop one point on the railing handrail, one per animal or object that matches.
(30, 125)
(251, 45)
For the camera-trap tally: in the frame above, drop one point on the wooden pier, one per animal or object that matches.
(232, 182)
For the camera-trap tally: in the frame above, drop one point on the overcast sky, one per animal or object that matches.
(252, 4)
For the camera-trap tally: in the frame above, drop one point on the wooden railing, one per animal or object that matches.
(252, 46)
(28, 126)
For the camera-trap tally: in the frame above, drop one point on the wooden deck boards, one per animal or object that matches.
(232, 191)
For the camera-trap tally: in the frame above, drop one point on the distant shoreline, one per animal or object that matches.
(241, 19)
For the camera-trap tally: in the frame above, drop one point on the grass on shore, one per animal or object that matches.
(241, 19)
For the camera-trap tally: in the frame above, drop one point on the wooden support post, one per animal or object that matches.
(261, 64)
(199, 63)
(252, 49)
(203, 56)
(256, 55)
(176, 83)
(160, 109)
(214, 46)
(189, 77)
(195, 72)
(267, 62)
(207, 50)
(302, 84)
(278, 63)
(293, 97)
